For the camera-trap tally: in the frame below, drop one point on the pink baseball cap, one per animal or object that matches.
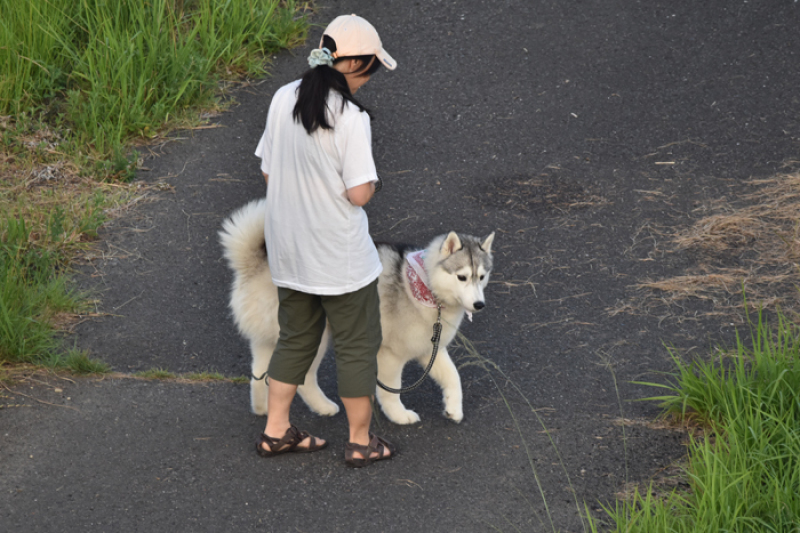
(355, 36)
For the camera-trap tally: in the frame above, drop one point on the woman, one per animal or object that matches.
(317, 159)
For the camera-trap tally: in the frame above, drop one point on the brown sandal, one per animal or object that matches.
(376, 444)
(288, 443)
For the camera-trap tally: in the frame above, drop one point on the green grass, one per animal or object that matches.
(743, 466)
(34, 289)
(162, 374)
(204, 376)
(112, 71)
(32, 292)
(744, 471)
(156, 373)
(79, 362)
(81, 81)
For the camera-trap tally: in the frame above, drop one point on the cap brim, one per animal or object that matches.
(386, 59)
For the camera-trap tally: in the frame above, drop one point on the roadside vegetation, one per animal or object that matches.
(743, 466)
(82, 82)
(195, 377)
(739, 406)
(749, 239)
(741, 413)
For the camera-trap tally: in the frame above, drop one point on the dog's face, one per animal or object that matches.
(462, 271)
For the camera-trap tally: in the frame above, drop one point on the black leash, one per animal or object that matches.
(437, 334)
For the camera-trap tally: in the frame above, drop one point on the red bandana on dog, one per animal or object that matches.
(418, 280)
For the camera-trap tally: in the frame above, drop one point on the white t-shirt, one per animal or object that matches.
(317, 241)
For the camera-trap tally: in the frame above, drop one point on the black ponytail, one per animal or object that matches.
(316, 84)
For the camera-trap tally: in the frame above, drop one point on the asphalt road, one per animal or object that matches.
(578, 131)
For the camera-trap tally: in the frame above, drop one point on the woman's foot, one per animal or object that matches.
(293, 441)
(359, 455)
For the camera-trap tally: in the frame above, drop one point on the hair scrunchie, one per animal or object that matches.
(320, 56)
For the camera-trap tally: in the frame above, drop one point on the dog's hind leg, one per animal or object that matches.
(445, 373)
(262, 353)
(390, 373)
(310, 391)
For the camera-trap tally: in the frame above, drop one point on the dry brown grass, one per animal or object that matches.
(37, 180)
(750, 245)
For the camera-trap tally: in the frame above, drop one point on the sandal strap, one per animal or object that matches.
(312, 443)
(376, 444)
(290, 439)
(384, 444)
(350, 450)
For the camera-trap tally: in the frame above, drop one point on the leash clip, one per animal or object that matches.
(437, 327)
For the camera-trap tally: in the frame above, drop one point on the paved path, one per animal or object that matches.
(544, 121)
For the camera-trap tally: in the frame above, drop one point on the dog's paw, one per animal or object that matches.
(453, 407)
(329, 408)
(259, 402)
(260, 410)
(456, 415)
(316, 400)
(403, 417)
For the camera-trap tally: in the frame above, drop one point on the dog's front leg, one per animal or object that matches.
(445, 373)
(390, 373)
(262, 353)
(309, 391)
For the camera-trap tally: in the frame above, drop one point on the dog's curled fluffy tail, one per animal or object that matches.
(242, 239)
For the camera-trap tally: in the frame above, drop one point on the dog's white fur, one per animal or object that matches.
(406, 324)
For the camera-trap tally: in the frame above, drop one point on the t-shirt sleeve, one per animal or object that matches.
(354, 141)
(264, 148)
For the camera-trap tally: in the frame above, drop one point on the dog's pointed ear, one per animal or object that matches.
(487, 243)
(451, 244)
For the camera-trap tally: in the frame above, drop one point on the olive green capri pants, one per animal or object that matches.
(356, 329)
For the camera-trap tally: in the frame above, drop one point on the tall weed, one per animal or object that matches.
(744, 473)
(126, 68)
(32, 65)
(79, 81)
(133, 69)
(31, 293)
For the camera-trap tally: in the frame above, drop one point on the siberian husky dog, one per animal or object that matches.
(452, 272)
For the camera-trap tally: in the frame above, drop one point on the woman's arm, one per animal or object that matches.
(361, 194)
(266, 177)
